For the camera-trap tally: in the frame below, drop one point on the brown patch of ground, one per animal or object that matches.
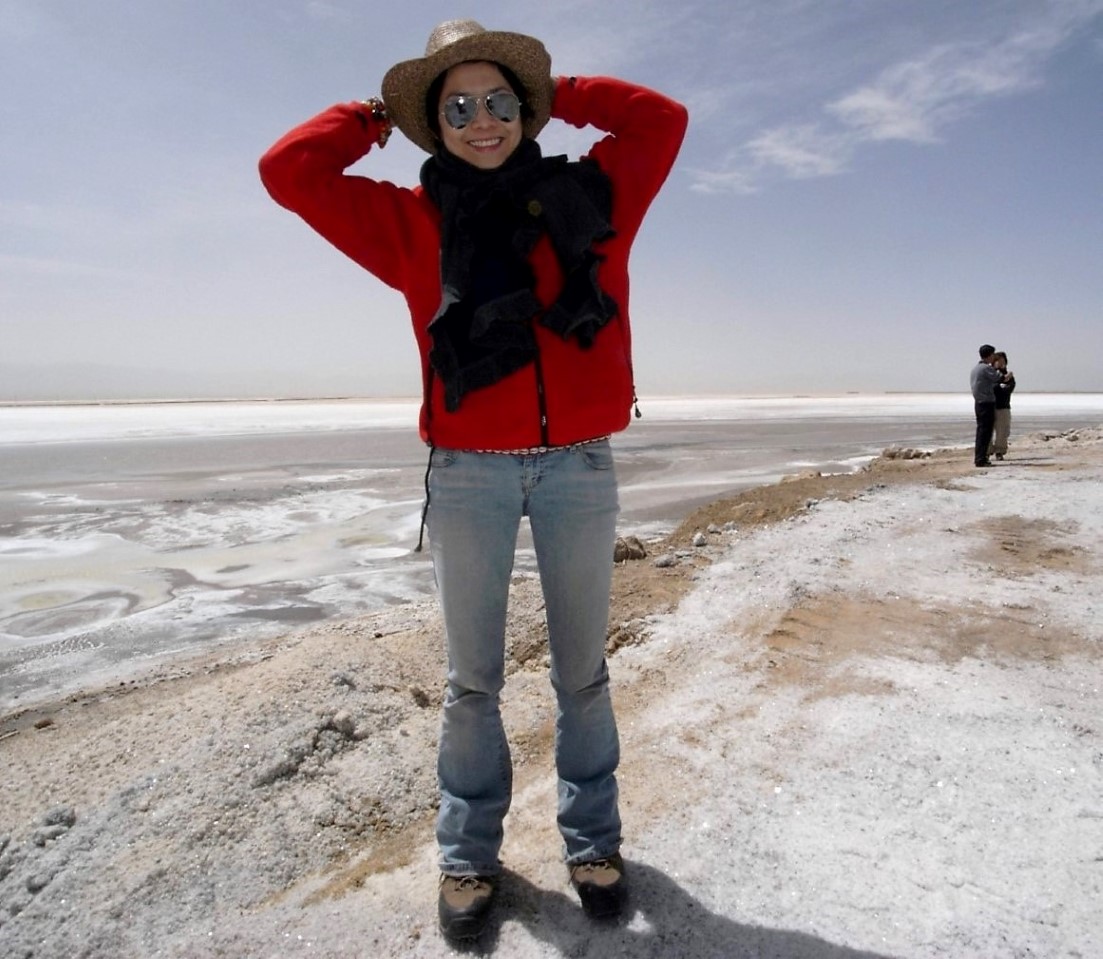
(947, 468)
(771, 504)
(812, 643)
(393, 852)
(1019, 547)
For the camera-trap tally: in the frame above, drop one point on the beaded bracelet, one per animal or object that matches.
(379, 114)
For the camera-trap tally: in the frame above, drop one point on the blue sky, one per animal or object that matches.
(869, 190)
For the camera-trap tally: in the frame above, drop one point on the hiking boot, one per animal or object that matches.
(602, 886)
(463, 905)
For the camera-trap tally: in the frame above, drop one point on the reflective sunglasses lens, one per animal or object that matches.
(460, 111)
(503, 106)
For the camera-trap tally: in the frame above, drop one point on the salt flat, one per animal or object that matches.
(862, 719)
(132, 533)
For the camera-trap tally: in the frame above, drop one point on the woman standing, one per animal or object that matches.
(514, 267)
(1002, 430)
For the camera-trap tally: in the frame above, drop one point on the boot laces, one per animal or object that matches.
(467, 882)
(594, 865)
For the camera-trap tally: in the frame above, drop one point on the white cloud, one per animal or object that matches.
(796, 152)
(801, 151)
(913, 101)
(730, 180)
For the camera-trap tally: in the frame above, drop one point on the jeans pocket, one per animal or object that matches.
(597, 456)
(441, 458)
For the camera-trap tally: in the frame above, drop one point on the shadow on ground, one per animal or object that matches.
(663, 921)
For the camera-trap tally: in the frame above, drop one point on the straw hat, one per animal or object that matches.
(456, 41)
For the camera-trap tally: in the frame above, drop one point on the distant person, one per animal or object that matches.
(514, 267)
(1004, 389)
(982, 381)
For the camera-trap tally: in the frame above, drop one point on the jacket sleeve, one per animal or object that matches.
(645, 131)
(373, 223)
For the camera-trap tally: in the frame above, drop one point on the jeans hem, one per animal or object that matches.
(456, 869)
(591, 855)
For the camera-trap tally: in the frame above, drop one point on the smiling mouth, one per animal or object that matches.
(483, 144)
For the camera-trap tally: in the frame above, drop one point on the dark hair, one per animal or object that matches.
(432, 95)
(1001, 355)
(986, 351)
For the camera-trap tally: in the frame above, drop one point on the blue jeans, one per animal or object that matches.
(476, 501)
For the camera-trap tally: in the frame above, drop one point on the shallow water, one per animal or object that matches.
(132, 532)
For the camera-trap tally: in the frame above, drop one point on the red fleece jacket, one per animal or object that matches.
(569, 393)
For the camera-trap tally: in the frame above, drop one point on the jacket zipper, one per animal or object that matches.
(541, 401)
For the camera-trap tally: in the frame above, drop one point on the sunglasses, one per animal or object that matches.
(461, 109)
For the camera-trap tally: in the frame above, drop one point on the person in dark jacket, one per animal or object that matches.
(1003, 391)
(982, 382)
(514, 267)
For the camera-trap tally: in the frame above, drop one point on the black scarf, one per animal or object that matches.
(491, 220)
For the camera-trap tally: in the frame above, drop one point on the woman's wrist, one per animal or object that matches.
(377, 110)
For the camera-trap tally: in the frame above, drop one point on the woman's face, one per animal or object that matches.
(486, 142)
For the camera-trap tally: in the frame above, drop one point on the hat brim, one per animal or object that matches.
(406, 84)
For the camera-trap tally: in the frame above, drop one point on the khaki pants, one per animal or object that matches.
(998, 446)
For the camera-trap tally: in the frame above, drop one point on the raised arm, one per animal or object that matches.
(645, 131)
(372, 222)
